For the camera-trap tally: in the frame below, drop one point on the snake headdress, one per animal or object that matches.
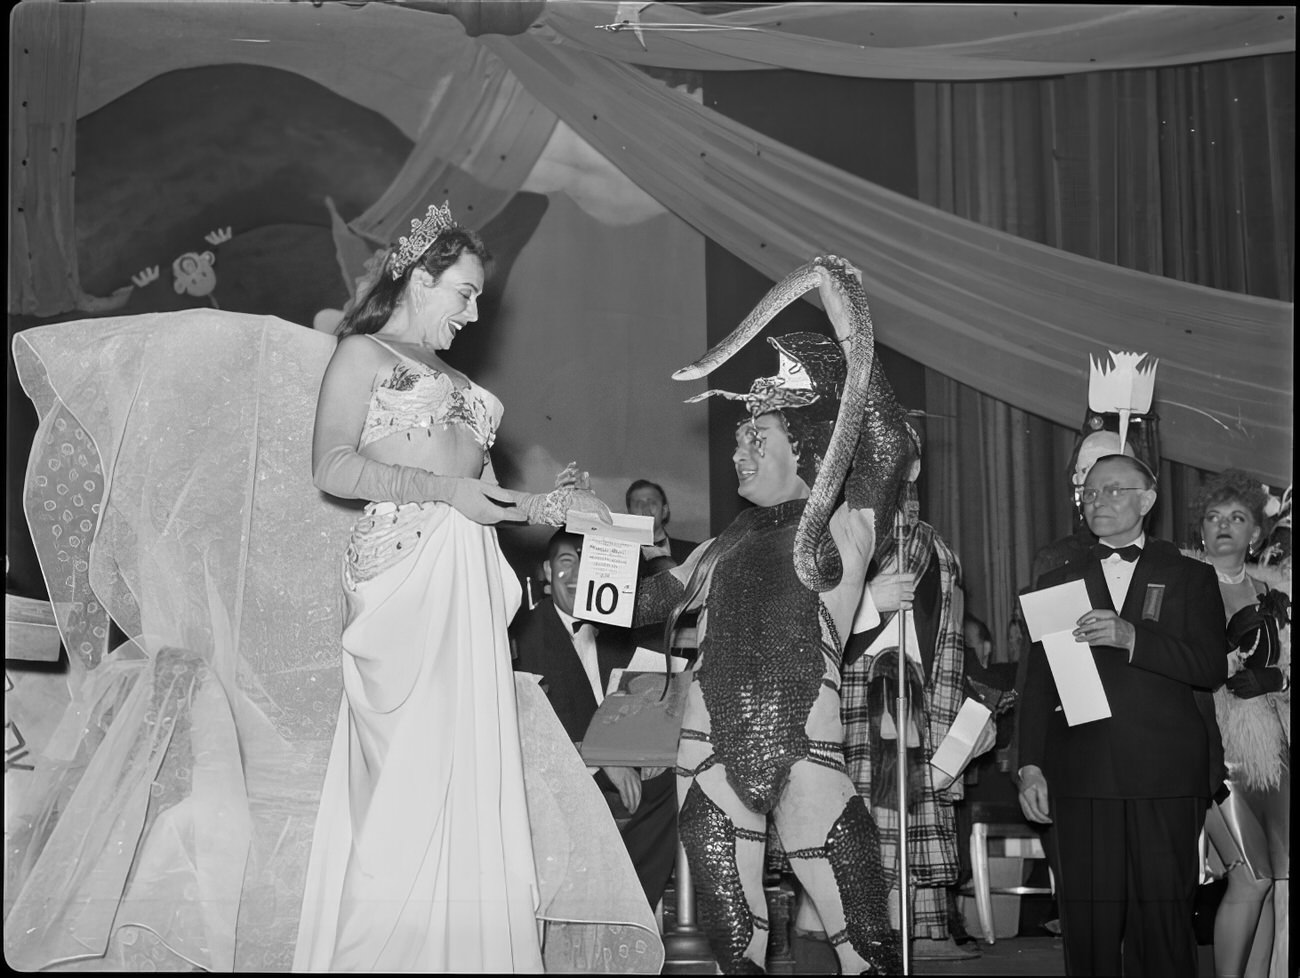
(869, 451)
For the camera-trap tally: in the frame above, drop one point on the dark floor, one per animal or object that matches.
(1010, 956)
(1014, 956)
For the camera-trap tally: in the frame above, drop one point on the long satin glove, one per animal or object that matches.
(1249, 683)
(345, 473)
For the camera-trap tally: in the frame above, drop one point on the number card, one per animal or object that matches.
(607, 570)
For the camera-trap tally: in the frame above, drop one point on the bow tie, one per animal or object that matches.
(578, 624)
(1129, 553)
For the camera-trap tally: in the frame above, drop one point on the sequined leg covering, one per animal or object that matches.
(853, 850)
(832, 845)
(724, 842)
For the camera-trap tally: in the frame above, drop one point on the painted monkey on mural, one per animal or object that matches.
(777, 590)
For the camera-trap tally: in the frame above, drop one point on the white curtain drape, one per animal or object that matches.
(1009, 317)
(938, 42)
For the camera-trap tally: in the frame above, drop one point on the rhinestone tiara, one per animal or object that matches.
(423, 233)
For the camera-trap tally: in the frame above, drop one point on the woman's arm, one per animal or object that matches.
(340, 470)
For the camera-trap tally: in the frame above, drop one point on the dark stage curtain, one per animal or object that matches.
(1185, 172)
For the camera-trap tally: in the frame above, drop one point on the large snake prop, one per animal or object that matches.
(872, 477)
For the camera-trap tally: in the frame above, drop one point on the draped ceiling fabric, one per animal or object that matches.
(477, 149)
(946, 291)
(1009, 317)
(44, 56)
(939, 42)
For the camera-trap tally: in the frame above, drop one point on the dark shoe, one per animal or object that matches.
(929, 949)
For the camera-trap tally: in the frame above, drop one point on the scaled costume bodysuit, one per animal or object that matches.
(762, 736)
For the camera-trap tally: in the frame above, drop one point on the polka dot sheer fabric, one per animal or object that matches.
(170, 816)
(170, 488)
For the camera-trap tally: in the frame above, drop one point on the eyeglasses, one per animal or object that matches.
(1112, 493)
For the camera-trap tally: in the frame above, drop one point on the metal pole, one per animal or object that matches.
(904, 903)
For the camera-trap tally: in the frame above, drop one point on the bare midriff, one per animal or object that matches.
(448, 449)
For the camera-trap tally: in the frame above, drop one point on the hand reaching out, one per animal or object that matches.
(571, 477)
(837, 309)
(890, 592)
(628, 783)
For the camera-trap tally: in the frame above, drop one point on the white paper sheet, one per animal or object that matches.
(1083, 698)
(1055, 609)
(1051, 615)
(607, 569)
(958, 744)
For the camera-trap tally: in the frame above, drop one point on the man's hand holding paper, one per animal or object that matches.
(1102, 627)
(1055, 617)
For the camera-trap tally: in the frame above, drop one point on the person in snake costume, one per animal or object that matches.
(762, 735)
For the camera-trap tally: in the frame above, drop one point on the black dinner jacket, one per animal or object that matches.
(543, 648)
(1156, 743)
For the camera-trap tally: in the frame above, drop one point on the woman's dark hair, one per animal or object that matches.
(373, 309)
(1232, 485)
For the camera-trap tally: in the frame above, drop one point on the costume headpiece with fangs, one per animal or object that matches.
(423, 234)
(806, 390)
(810, 375)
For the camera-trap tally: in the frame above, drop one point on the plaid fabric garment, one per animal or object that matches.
(931, 827)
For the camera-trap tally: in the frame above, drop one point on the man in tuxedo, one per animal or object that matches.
(1127, 795)
(646, 498)
(574, 659)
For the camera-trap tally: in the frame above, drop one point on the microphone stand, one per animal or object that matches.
(904, 903)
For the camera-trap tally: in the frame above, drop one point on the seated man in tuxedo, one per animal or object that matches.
(574, 659)
(1126, 795)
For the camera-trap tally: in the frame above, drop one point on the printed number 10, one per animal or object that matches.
(598, 596)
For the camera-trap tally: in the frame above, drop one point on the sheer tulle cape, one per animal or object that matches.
(170, 816)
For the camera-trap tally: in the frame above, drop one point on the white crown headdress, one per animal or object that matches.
(423, 233)
(1125, 386)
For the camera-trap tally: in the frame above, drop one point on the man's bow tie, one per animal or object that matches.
(1129, 553)
(578, 624)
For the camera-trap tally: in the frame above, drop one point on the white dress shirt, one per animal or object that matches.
(1119, 573)
(584, 643)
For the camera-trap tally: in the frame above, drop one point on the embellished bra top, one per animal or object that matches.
(416, 395)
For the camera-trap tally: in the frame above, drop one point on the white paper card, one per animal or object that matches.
(648, 660)
(622, 526)
(1055, 609)
(644, 660)
(866, 617)
(888, 639)
(607, 569)
(958, 744)
(1083, 698)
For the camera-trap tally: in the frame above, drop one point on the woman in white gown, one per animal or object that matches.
(166, 822)
(422, 858)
